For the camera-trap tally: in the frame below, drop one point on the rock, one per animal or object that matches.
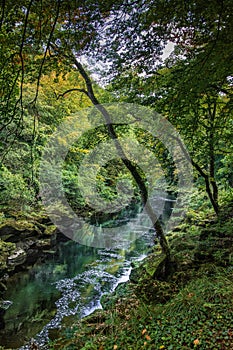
(43, 243)
(33, 345)
(3, 287)
(136, 274)
(17, 258)
(53, 239)
(17, 230)
(25, 240)
(155, 265)
(6, 249)
(5, 304)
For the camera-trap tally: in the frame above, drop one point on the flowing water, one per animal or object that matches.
(70, 282)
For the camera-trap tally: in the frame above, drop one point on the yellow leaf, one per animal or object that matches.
(115, 347)
(196, 342)
(144, 331)
(190, 295)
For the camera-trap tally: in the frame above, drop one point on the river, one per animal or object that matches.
(70, 281)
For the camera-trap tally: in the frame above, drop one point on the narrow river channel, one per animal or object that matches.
(69, 282)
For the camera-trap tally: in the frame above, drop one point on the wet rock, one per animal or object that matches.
(33, 345)
(17, 258)
(5, 304)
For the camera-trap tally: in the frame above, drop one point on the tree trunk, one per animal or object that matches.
(205, 176)
(129, 165)
(211, 157)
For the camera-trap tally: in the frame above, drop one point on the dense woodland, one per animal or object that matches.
(61, 57)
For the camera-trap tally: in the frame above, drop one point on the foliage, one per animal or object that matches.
(43, 82)
(192, 87)
(15, 192)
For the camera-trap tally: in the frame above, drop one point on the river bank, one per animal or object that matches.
(23, 241)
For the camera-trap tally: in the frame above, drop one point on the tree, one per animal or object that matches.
(130, 36)
(202, 116)
(54, 36)
(193, 87)
(28, 31)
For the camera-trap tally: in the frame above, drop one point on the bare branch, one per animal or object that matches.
(71, 90)
(46, 50)
(3, 12)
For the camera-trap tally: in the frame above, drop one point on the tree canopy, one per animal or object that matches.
(123, 41)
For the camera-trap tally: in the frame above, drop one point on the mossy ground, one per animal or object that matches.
(191, 309)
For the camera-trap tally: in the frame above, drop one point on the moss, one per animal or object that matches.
(50, 230)
(18, 225)
(6, 249)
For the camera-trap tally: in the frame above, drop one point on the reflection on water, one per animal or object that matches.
(70, 282)
(34, 294)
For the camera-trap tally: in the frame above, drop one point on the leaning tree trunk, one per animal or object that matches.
(129, 165)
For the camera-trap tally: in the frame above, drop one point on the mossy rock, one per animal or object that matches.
(6, 249)
(15, 230)
(154, 290)
(18, 225)
(154, 266)
(18, 257)
(50, 230)
(108, 300)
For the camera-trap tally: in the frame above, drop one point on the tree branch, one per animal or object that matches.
(45, 53)
(71, 90)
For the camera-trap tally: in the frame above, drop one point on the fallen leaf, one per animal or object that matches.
(147, 337)
(144, 331)
(196, 342)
